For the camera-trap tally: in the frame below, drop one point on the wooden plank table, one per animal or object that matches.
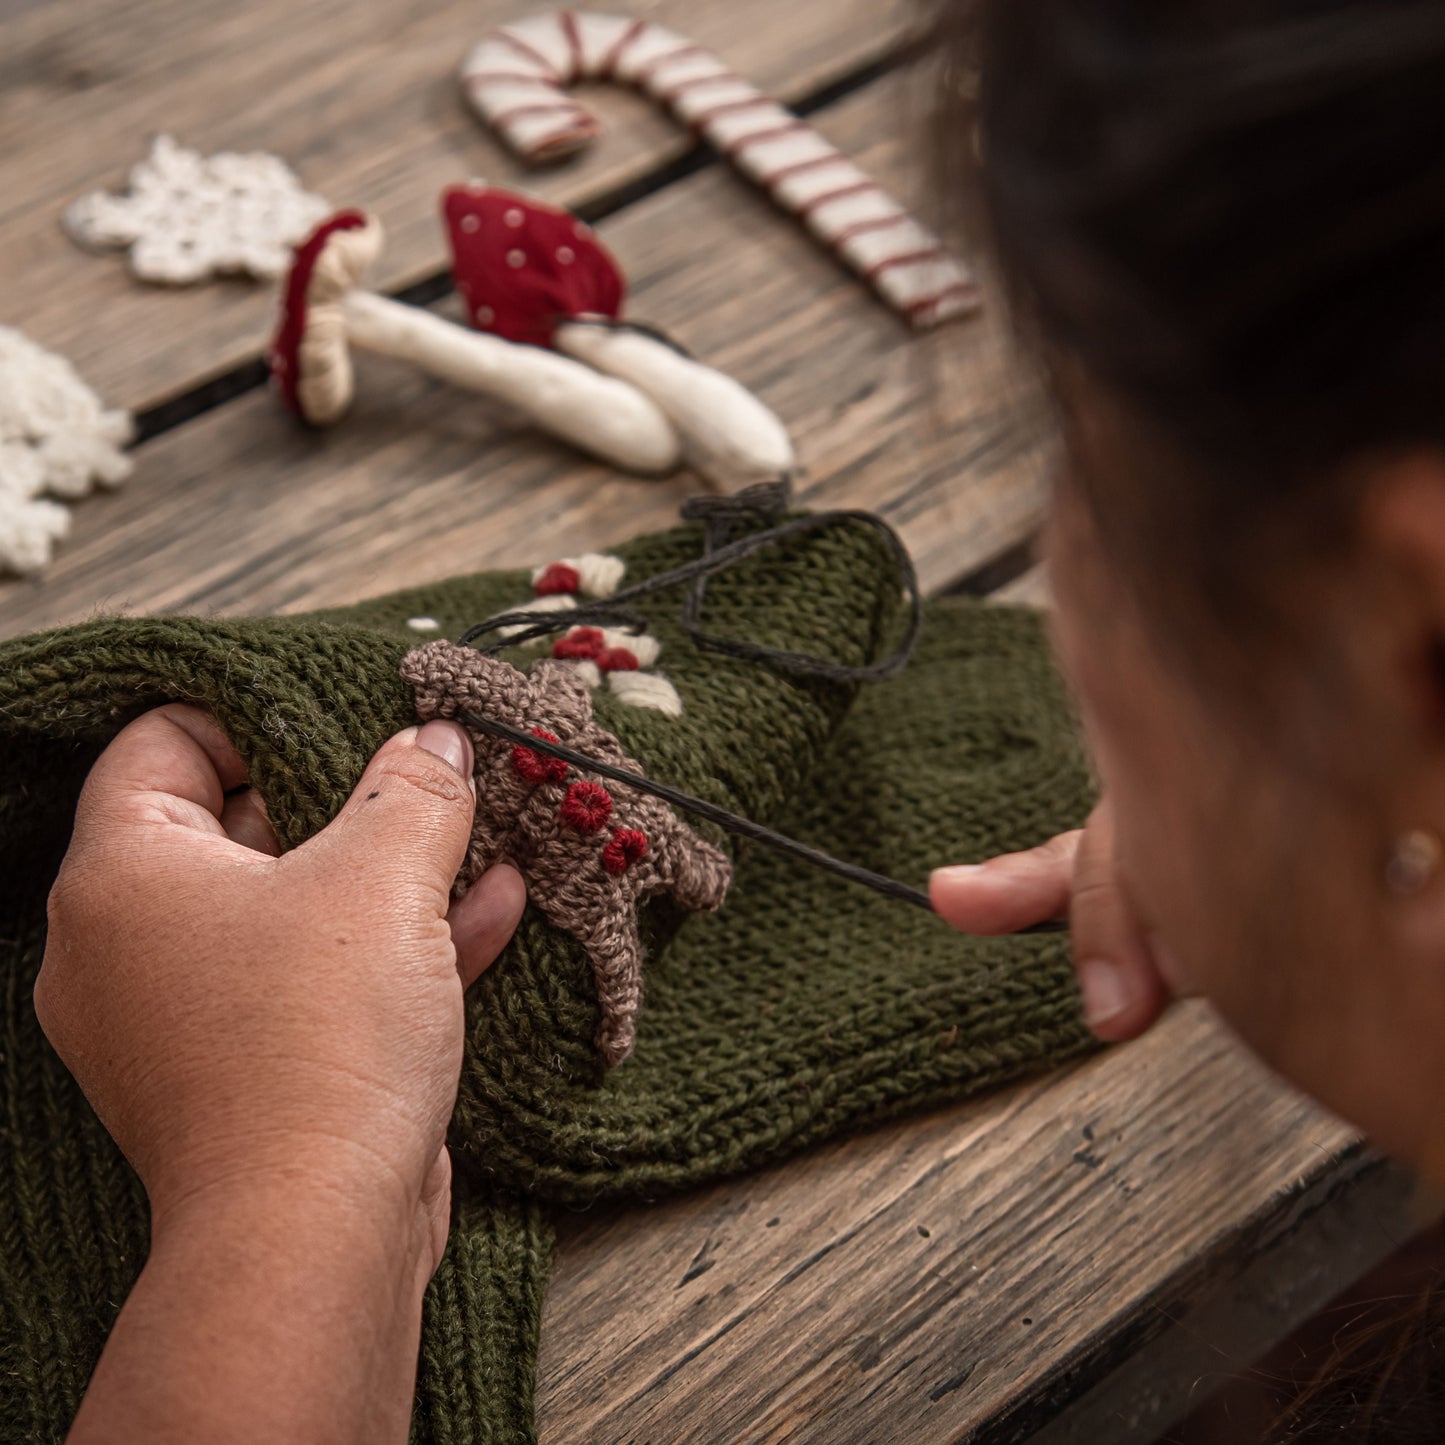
(1064, 1260)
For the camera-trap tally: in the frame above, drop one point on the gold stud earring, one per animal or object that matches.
(1414, 862)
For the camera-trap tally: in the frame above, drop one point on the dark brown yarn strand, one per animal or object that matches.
(767, 502)
(729, 822)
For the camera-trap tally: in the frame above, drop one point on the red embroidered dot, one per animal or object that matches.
(559, 577)
(617, 659)
(587, 807)
(535, 767)
(579, 644)
(624, 848)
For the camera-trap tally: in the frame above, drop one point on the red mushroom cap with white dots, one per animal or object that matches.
(523, 268)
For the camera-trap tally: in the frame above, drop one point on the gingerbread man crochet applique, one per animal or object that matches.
(589, 853)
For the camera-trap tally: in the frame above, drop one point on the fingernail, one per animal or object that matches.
(957, 872)
(1106, 995)
(449, 742)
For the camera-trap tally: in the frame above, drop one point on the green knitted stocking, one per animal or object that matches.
(805, 1007)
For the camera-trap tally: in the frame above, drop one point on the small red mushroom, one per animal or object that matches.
(325, 312)
(530, 272)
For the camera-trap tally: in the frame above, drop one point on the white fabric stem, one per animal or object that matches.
(727, 433)
(602, 415)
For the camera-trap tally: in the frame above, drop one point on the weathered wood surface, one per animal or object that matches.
(360, 96)
(959, 1278)
(241, 510)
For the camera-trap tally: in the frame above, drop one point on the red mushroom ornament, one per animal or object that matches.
(325, 313)
(530, 272)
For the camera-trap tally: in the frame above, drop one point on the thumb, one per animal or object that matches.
(410, 817)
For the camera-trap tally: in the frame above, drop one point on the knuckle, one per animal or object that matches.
(1095, 893)
(1061, 848)
(67, 903)
(43, 998)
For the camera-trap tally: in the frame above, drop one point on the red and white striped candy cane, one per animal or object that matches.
(515, 79)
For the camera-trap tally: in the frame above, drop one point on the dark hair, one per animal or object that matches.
(1229, 216)
(1223, 221)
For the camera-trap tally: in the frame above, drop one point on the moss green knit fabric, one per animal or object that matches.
(807, 1006)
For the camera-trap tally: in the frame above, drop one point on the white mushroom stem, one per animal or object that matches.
(608, 417)
(727, 433)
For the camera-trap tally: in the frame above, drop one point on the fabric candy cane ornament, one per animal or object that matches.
(515, 80)
(532, 273)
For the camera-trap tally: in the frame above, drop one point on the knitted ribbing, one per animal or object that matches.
(803, 1008)
(479, 1334)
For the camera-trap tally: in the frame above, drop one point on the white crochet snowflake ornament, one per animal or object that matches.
(186, 217)
(56, 437)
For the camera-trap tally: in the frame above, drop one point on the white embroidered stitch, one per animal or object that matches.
(598, 574)
(423, 624)
(186, 217)
(56, 438)
(646, 689)
(642, 645)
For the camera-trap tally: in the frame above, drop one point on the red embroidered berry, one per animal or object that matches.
(624, 848)
(535, 767)
(559, 577)
(617, 659)
(587, 807)
(579, 645)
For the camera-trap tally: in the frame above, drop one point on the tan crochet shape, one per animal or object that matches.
(589, 853)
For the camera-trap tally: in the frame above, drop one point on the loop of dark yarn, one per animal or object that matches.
(766, 502)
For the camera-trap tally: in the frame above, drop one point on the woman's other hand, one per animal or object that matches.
(1071, 876)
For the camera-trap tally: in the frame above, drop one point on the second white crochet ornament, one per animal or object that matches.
(57, 442)
(516, 80)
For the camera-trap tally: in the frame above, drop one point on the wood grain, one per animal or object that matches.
(945, 1280)
(929, 1281)
(241, 510)
(360, 96)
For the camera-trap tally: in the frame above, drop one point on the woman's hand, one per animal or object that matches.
(1071, 876)
(275, 1043)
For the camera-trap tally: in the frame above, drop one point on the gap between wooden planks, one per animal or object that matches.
(242, 510)
(360, 96)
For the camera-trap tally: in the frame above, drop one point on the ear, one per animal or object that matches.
(1401, 543)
